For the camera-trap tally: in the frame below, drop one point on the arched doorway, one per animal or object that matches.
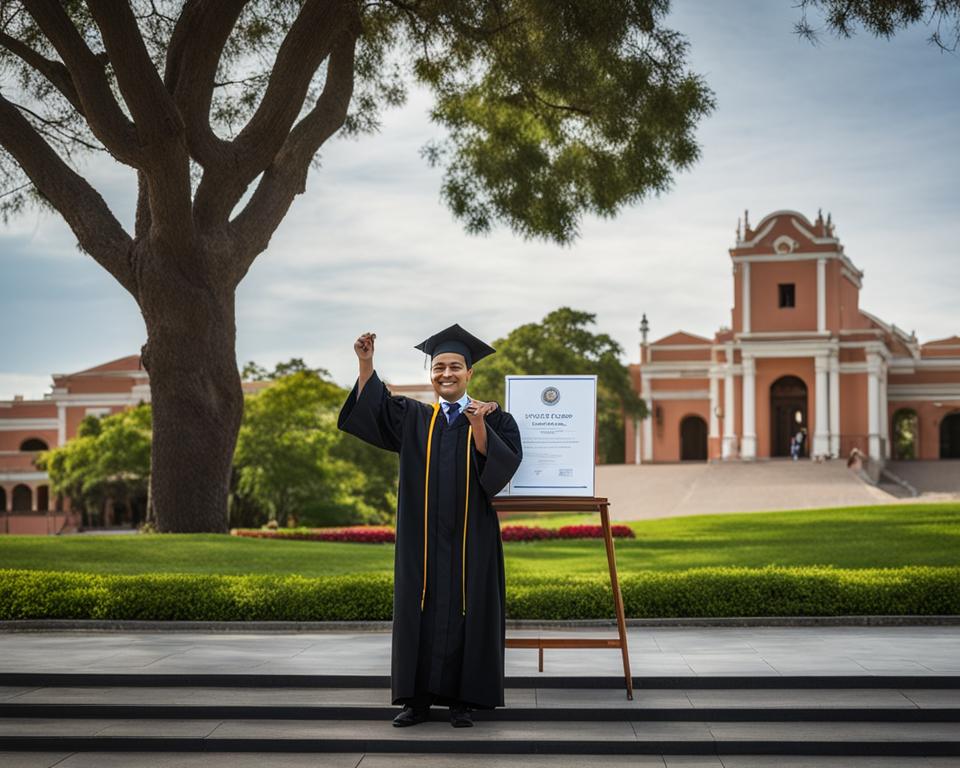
(905, 431)
(43, 498)
(22, 498)
(788, 414)
(693, 439)
(950, 436)
(33, 444)
(3, 499)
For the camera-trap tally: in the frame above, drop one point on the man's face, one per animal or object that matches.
(449, 375)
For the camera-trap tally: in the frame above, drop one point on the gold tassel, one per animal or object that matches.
(466, 517)
(426, 500)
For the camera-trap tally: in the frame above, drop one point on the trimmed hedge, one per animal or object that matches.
(701, 592)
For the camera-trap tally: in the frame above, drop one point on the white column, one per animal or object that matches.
(714, 404)
(821, 430)
(61, 424)
(636, 441)
(884, 418)
(821, 294)
(748, 445)
(745, 296)
(873, 405)
(729, 448)
(647, 394)
(834, 405)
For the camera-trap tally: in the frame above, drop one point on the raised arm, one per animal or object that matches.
(364, 349)
(370, 411)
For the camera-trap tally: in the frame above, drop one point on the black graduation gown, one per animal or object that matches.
(453, 646)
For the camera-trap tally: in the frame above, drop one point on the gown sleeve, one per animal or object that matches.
(376, 416)
(503, 454)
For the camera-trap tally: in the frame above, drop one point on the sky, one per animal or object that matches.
(864, 129)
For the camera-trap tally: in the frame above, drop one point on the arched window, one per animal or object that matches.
(33, 444)
(43, 498)
(788, 414)
(905, 432)
(693, 439)
(22, 498)
(950, 436)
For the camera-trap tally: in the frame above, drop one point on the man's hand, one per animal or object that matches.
(476, 410)
(364, 346)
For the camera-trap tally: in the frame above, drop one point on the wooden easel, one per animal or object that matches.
(575, 504)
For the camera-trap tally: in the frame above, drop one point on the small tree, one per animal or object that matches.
(109, 459)
(291, 461)
(563, 343)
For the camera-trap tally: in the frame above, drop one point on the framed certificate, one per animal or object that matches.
(557, 416)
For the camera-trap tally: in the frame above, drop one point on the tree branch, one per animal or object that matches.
(286, 177)
(154, 114)
(54, 71)
(193, 56)
(308, 43)
(96, 228)
(99, 107)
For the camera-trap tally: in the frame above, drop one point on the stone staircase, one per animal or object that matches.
(270, 713)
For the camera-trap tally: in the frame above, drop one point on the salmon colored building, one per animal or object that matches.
(799, 355)
(28, 427)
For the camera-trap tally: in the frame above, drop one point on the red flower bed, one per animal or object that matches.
(361, 534)
(384, 535)
(536, 533)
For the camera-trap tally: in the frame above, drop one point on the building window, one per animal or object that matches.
(788, 296)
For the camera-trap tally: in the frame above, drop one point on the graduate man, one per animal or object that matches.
(449, 588)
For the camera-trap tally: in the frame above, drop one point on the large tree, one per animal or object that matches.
(552, 109)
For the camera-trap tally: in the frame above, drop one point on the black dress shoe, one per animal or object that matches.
(460, 717)
(411, 716)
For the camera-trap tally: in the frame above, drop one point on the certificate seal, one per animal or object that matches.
(550, 396)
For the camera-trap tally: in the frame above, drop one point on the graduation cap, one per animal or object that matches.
(456, 339)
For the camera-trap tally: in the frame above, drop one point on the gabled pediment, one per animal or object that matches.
(129, 363)
(682, 337)
(784, 232)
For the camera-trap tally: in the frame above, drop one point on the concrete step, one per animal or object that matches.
(255, 680)
(557, 704)
(639, 736)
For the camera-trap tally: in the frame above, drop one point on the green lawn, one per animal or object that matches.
(861, 537)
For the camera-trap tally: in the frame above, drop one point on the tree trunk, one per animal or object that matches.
(196, 396)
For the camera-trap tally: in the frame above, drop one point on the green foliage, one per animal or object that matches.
(564, 343)
(884, 18)
(552, 108)
(704, 592)
(292, 462)
(253, 372)
(109, 458)
(555, 107)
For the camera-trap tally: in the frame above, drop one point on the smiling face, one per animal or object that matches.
(449, 375)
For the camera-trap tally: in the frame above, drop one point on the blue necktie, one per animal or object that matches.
(453, 410)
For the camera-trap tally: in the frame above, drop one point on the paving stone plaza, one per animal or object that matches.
(723, 697)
